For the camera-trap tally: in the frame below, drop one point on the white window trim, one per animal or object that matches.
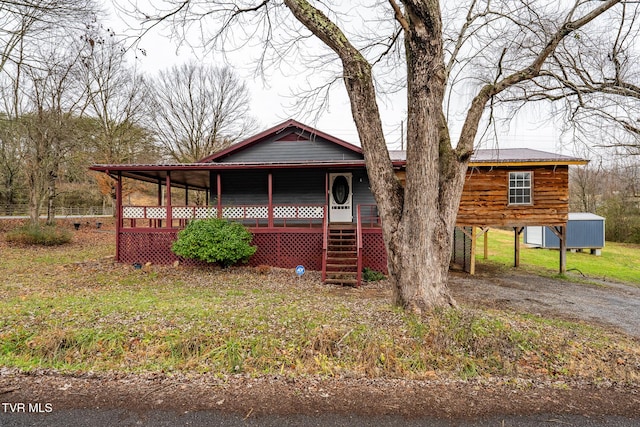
(509, 188)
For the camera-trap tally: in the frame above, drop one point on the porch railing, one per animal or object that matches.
(250, 215)
(359, 247)
(368, 216)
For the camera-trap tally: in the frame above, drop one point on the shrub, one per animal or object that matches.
(215, 240)
(47, 235)
(370, 275)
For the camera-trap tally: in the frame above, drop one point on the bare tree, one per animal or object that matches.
(55, 99)
(35, 82)
(11, 161)
(199, 110)
(483, 53)
(118, 98)
(26, 22)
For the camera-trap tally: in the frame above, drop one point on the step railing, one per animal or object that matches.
(325, 246)
(359, 246)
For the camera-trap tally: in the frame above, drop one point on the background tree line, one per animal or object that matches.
(70, 98)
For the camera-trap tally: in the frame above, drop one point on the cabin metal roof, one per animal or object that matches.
(508, 157)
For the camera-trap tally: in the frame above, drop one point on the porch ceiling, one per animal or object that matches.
(194, 179)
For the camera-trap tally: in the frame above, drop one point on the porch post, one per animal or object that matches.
(159, 192)
(168, 190)
(270, 190)
(186, 195)
(119, 218)
(563, 249)
(219, 189)
(472, 263)
(486, 244)
(516, 242)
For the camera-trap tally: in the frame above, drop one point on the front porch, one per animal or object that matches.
(286, 236)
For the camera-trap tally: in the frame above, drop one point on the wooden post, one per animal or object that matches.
(516, 257)
(472, 263)
(270, 198)
(119, 219)
(563, 249)
(486, 244)
(157, 223)
(186, 195)
(168, 191)
(219, 193)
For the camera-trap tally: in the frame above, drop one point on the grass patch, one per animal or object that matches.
(93, 315)
(618, 262)
(44, 235)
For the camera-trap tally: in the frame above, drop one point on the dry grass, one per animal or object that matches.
(72, 309)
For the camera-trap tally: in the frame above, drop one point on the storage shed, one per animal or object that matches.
(584, 231)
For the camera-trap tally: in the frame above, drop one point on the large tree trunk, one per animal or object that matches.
(418, 220)
(420, 252)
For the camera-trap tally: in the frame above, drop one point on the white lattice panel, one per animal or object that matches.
(257, 212)
(132, 212)
(233, 212)
(203, 212)
(182, 212)
(157, 212)
(310, 212)
(284, 212)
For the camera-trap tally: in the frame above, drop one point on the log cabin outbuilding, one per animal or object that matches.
(305, 196)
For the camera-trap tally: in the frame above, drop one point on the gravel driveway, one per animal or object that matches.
(610, 304)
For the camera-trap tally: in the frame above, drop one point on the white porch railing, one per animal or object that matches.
(251, 215)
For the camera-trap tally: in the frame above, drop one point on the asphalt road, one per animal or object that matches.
(100, 418)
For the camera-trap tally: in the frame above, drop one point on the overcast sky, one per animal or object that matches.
(272, 100)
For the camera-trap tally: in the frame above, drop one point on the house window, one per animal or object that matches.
(520, 188)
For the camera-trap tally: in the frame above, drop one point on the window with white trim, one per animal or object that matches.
(520, 188)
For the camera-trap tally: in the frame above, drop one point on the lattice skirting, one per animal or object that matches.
(285, 250)
(374, 255)
(461, 253)
(281, 249)
(144, 246)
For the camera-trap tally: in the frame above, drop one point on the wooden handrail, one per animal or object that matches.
(325, 243)
(359, 247)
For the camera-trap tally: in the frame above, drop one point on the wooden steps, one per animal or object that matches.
(342, 256)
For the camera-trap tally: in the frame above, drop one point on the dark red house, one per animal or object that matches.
(305, 196)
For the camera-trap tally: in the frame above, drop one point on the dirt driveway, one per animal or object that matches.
(610, 304)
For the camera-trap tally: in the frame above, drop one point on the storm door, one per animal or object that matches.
(340, 197)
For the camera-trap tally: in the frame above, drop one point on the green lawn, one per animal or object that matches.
(72, 310)
(618, 262)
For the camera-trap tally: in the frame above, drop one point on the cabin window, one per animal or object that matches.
(520, 188)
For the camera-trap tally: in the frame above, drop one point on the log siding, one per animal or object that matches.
(485, 198)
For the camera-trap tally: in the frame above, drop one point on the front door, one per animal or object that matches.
(340, 195)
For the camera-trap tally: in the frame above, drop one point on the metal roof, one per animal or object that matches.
(584, 216)
(507, 156)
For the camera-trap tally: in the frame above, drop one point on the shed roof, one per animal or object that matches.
(584, 216)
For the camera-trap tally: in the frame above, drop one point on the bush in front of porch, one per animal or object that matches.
(215, 240)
